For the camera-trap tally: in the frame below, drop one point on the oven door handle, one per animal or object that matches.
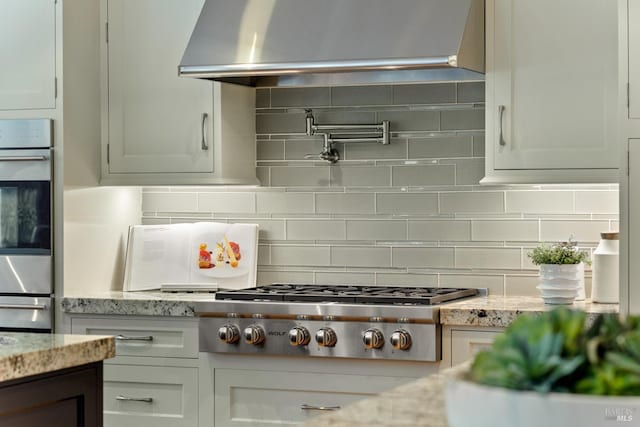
(23, 158)
(23, 306)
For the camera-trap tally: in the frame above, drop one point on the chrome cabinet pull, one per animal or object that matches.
(205, 146)
(22, 158)
(501, 137)
(134, 399)
(23, 307)
(306, 407)
(134, 338)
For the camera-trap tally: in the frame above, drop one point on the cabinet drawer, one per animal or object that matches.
(267, 398)
(138, 337)
(166, 396)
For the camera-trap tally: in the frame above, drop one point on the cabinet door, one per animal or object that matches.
(28, 52)
(553, 68)
(630, 291)
(465, 344)
(634, 58)
(156, 119)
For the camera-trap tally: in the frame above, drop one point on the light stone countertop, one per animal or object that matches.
(499, 311)
(490, 311)
(26, 354)
(141, 303)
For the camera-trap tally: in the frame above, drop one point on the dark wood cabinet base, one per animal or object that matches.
(66, 398)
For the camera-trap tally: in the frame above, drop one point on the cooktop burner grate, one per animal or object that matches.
(348, 294)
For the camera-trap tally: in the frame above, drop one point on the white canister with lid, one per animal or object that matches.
(605, 287)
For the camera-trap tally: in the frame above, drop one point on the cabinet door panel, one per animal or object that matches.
(555, 73)
(28, 52)
(155, 117)
(465, 344)
(633, 288)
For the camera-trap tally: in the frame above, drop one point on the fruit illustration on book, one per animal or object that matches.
(204, 257)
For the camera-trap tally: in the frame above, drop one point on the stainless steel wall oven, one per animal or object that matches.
(26, 272)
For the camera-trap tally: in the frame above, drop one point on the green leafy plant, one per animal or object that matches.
(557, 352)
(561, 253)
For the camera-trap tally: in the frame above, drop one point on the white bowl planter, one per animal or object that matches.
(470, 404)
(561, 277)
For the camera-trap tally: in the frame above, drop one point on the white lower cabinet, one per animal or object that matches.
(268, 398)
(154, 379)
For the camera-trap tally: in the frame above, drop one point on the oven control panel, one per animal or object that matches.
(291, 337)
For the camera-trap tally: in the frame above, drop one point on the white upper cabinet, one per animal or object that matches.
(165, 129)
(551, 86)
(28, 53)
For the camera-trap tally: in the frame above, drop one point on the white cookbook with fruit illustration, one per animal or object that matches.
(196, 256)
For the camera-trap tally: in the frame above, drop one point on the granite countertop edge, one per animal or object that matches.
(34, 354)
(486, 311)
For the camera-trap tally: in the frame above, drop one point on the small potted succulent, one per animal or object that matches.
(553, 369)
(561, 272)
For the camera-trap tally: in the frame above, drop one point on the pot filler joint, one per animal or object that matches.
(342, 133)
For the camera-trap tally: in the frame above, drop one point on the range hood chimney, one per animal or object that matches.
(336, 42)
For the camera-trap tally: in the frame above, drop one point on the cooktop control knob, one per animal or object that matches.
(254, 334)
(373, 339)
(326, 337)
(229, 334)
(299, 336)
(400, 340)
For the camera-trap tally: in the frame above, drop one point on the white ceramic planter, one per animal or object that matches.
(563, 276)
(469, 404)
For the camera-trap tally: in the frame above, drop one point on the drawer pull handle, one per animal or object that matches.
(23, 307)
(134, 338)
(134, 399)
(305, 407)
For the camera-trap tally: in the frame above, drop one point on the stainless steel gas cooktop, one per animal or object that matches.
(372, 322)
(347, 294)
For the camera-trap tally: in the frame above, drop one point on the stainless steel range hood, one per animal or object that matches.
(336, 42)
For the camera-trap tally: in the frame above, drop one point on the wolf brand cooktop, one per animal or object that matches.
(346, 294)
(372, 322)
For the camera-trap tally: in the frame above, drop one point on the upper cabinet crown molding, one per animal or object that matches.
(161, 129)
(551, 90)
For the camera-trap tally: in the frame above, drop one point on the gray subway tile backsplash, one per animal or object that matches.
(402, 121)
(345, 203)
(361, 256)
(441, 147)
(300, 97)
(470, 92)
(300, 176)
(280, 123)
(408, 214)
(462, 119)
(407, 203)
(438, 93)
(270, 150)
(361, 95)
(424, 175)
(360, 176)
